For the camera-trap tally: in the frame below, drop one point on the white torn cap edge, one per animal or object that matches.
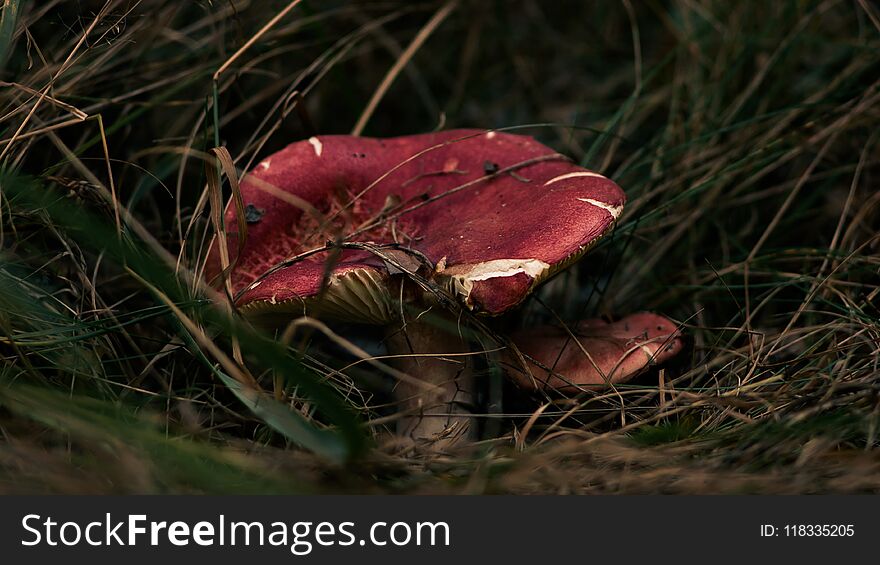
(613, 210)
(316, 143)
(573, 175)
(463, 277)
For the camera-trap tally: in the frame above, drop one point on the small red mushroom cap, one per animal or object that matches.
(493, 214)
(605, 353)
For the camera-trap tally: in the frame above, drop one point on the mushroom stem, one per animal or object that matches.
(439, 410)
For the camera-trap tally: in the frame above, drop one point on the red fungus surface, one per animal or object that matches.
(617, 351)
(490, 235)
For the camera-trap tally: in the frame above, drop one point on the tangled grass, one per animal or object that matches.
(745, 135)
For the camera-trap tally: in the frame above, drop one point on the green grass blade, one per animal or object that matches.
(8, 19)
(91, 231)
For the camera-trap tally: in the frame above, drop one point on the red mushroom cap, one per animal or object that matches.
(490, 235)
(617, 352)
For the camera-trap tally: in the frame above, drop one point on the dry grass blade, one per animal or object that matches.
(401, 62)
(256, 37)
(113, 197)
(230, 366)
(289, 334)
(218, 220)
(228, 167)
(64, 66)
(64, 105)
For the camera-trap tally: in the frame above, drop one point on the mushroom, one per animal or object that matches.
(593, 353)
(468, 218)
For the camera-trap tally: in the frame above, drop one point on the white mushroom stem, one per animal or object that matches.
(437, 411)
